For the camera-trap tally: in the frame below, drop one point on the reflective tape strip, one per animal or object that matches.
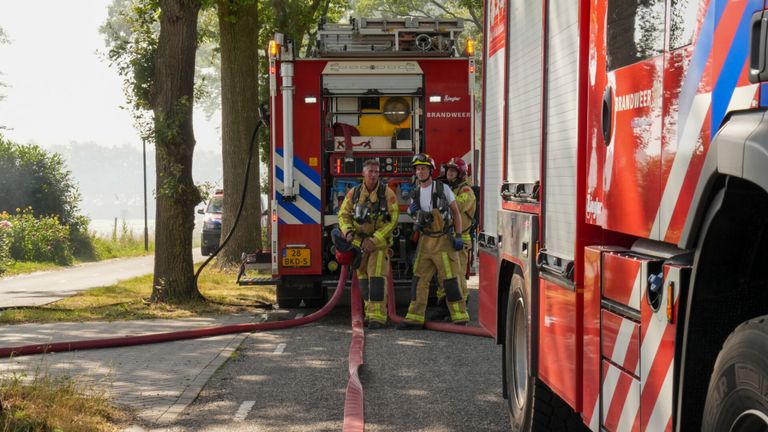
(457, 314)
(413, 317)
(379, 262)
(447, 264)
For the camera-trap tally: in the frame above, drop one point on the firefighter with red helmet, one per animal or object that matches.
(437, 217)
(455, 174)
(367, 218)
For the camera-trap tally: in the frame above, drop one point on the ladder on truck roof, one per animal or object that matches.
(389, 37)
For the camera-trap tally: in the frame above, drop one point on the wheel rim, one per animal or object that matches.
(520, 354)
(750, 421)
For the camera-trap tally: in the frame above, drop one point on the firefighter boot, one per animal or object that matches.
(413, 320)
(440, 312)
(455, 302)
(409, 326)
(364, 294)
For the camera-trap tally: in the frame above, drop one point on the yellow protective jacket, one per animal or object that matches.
(378, 226)
(466, 200)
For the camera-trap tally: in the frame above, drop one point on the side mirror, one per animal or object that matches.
(200, 211)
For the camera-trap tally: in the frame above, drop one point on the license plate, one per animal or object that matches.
(297, 257)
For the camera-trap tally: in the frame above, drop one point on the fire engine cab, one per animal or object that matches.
(624, 260)
(372, 88)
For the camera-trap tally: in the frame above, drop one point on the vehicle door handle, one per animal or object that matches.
(757, 47)
(607, 115)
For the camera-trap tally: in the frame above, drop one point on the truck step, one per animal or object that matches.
(260, 280)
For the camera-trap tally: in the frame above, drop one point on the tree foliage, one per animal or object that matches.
(470, 11)
(131, 35)
(298, 19)
(32, 177)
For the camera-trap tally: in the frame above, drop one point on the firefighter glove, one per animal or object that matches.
(413, 209)
(458, 243)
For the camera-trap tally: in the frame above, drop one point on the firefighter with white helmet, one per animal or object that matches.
(367, 218)
(455, 174)
(436, 217)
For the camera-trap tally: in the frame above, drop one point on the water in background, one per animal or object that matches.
(105, 227)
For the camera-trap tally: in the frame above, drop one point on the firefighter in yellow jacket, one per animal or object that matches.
(367, 218)
(436, 217)
(456, 178)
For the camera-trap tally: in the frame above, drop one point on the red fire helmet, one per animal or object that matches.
(459, 165)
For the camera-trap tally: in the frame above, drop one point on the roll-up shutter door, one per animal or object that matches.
(384, 84)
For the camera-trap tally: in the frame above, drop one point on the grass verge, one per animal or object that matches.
(126, 301)
(45, 403)
(102, 249)
(126, 246)
(22, 267)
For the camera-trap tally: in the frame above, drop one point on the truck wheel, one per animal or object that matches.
(532, 405)
(737, 398)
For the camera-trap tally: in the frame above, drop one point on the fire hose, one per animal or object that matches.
(178, 335)
(353, 403)
(430, 325)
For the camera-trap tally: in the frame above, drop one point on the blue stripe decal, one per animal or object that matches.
(309, 197)
(304, 193)
(692, 79)
(720, 7)
(733, 66)
(763, 95)
(303, 167)
(294, 211)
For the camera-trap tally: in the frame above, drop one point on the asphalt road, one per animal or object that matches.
(294, 380)
(41, 288)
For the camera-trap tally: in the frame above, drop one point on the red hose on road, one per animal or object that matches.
(430, 325)
(354, 408)
(179, 335)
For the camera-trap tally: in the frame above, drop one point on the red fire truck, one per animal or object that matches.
(373, 88)
(623, 247)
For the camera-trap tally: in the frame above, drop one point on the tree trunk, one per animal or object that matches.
(175, 142)
(239, 27)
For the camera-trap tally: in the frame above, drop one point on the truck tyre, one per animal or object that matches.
(737, 397)
(531, 404)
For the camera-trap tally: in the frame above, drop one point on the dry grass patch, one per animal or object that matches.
(45, 403)
(127, 301)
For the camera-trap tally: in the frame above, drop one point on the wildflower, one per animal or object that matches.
(5, 224)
